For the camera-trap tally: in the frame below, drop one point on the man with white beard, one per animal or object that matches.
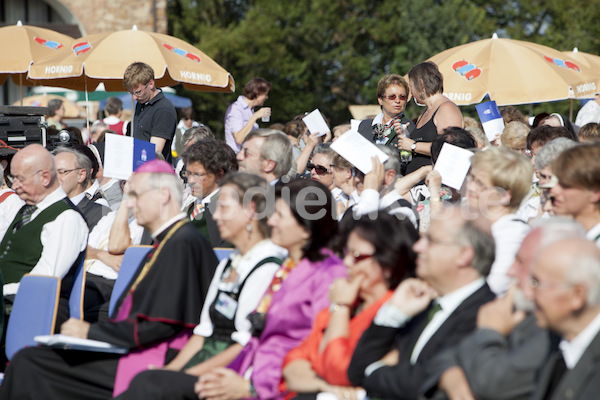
(501, 359)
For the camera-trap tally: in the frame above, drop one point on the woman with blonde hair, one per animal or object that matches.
(497, 184)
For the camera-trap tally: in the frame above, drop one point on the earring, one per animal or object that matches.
(249, 228)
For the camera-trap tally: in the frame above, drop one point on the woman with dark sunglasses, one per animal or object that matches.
(319, 166)
(392, 95)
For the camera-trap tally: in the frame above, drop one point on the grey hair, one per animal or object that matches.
(323, 148)
(478, 135)
(83, 161)
(551, 150)
(393, 162)
(556, 229)
(196, 134)
(99, 124)
(171, 182)
(586, 272)
(472, 233)
(276, 147)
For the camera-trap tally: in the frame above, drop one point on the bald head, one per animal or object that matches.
(566, 278)
(579, 260)
(34, 173)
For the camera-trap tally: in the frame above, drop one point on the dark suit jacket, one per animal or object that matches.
(207, 225)
(92, 211)
(403, 380)
(582, 382)
(497, 367)
(366, 129)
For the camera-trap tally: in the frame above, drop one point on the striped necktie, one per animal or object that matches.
(197, 210)
(25, 216)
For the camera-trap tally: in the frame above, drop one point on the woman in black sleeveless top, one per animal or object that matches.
(427, 85)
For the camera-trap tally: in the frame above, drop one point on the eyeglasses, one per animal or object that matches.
(480, 185)
(139, 92)
(357, 256)
(432, 240)
(393, 97)
(194, 175)
(321, 170)
(65, 172)
(534, 283)
(13, 178)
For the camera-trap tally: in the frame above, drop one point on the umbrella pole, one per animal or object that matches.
(21, 88)
(87, 108)
(132, 115)
(571, 111)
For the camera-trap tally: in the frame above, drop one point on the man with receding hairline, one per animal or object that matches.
(157, 310)
(48, 236)
(428, 315)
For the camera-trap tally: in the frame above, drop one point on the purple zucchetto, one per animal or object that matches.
(155, 167)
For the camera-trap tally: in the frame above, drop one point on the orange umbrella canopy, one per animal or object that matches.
(512, 72)
(21, 45)
(104, 57)
(585, 59)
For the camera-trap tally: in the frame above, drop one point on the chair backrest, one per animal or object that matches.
(131, 260)
(78, 291)
(33, 312)
(222, 252)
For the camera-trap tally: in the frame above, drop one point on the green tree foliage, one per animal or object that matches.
(330, 54)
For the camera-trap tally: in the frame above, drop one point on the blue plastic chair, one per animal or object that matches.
(33, 312)
(131, 261)
(222, 252)
(77, 293)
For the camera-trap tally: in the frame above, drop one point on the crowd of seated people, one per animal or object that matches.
(386, 283)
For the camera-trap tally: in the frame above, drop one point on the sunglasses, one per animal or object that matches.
(357, 256)
(392, 97)
(321, 170)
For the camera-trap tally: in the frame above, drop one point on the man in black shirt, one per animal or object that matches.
(155, 118)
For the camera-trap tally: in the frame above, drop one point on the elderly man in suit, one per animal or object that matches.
(428, 315)
(566, 290)
(501, 359)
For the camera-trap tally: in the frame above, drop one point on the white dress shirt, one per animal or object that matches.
(248, 300)
(573, 351)
(62, 240)
(594, 234)
(99, 237)
(8, 210)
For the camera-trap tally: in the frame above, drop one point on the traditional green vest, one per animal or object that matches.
(21, 249)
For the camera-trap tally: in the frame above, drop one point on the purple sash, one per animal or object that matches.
(138, 360)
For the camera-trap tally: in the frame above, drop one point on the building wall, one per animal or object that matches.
(96, 16)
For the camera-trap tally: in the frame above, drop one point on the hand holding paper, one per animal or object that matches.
(316, 123)
(453, 165)
(357, 150)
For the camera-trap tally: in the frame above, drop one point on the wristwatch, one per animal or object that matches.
(413, 147)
